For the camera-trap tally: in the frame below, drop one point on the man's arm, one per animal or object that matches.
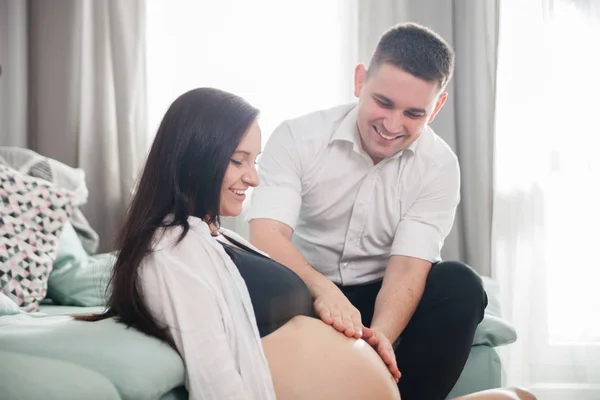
(396, 302)
(331, 305)
(417, 244)
(273, 215)
(400, 293)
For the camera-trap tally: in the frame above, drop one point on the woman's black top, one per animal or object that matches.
(277, 293)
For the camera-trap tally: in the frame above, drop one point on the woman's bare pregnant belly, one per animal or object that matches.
(310, 360)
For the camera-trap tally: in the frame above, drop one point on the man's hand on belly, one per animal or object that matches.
(384, 348)
(336, 310)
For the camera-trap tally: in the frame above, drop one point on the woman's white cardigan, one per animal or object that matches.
(195, 289)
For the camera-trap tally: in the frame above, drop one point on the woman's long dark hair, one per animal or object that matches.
(182, 177)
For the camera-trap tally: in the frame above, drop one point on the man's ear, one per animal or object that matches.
(438, 106)
(360, 76)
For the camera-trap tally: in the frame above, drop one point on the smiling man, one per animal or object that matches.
(358, 200)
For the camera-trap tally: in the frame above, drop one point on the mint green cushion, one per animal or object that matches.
(27, 377)
(493, 330)
(138, 366)
(78, 279)
(7, 306)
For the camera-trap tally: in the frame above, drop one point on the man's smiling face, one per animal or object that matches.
(394, 108)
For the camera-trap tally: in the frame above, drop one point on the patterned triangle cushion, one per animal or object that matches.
(32, 215)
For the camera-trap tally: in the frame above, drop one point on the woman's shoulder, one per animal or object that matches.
(170, 237)
(171, 253)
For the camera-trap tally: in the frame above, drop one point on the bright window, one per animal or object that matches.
(286, 58)
(547, 194)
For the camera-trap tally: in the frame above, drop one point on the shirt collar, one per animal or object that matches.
(347, 131)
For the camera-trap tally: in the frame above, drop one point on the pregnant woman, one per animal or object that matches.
(241, 322)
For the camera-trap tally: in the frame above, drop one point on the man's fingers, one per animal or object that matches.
(370, 337)
(385, 356)
(350, 330)
(325, 316)
(384, 349)
(367, 333)
(395, 372)
(390, 360)
(337, 320)
(358, 328)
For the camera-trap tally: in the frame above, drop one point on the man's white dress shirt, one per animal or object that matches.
(349, 215)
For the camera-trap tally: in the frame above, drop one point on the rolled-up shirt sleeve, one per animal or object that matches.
(279, 195)
(423, 228)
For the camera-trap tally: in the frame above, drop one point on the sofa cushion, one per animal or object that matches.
(493, 330)
(32, 215)
(54, 379)
(78, 279)
(138, 366)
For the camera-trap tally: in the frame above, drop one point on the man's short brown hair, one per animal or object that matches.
(417, 50)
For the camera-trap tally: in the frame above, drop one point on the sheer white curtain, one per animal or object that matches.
(546, 219)
(286, 58)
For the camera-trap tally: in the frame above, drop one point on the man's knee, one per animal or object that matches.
(460, 281)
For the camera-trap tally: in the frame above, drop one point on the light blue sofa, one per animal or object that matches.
(48, 355)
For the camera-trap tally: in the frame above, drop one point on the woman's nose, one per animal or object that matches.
(251, 177)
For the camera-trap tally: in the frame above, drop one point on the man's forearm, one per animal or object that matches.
(401, 291)
(282, 250)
